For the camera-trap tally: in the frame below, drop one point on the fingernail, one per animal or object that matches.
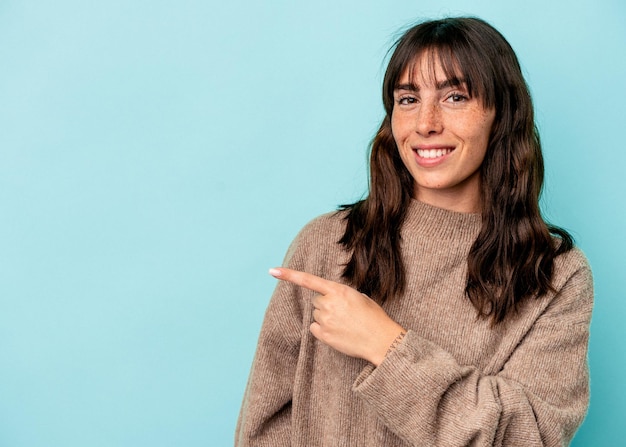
(275, 273)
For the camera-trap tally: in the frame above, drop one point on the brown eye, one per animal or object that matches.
(406, 100)
(457, 97)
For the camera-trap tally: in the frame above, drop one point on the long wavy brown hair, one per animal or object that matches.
(513, 256)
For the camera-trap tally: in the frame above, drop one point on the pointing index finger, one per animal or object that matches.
(303, 279)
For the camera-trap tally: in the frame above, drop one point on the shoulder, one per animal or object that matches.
(571, 263)
(573, 284)
(317, 243)
(323, 227)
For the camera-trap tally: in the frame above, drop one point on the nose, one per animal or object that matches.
(428, 119)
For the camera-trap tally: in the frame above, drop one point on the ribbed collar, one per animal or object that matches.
(432, 222)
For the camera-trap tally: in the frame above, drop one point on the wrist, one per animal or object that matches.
(396, 341)
(390, 344)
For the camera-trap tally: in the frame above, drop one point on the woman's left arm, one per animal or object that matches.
(539, 397)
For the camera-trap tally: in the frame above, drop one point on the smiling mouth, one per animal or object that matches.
(433, 153)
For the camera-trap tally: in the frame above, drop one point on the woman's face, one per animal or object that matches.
(442, 135)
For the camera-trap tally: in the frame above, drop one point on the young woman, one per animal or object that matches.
(441, 310)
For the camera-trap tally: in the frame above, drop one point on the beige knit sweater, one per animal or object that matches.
(452, 381)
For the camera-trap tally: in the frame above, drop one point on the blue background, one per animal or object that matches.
(156, 157)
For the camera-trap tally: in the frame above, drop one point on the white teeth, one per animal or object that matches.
(433, 153)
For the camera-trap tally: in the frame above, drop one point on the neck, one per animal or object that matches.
(463, 197)
(449, 201)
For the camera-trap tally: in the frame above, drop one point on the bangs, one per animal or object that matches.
(449, 47)
(449, 63)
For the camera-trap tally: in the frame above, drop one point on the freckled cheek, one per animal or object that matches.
(476, 135)
(394, 127)
(399, 130)
(396, 137)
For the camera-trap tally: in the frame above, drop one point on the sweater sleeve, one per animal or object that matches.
(538, 398)
(265, 416)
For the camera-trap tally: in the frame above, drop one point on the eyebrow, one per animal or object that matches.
(453, 82)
